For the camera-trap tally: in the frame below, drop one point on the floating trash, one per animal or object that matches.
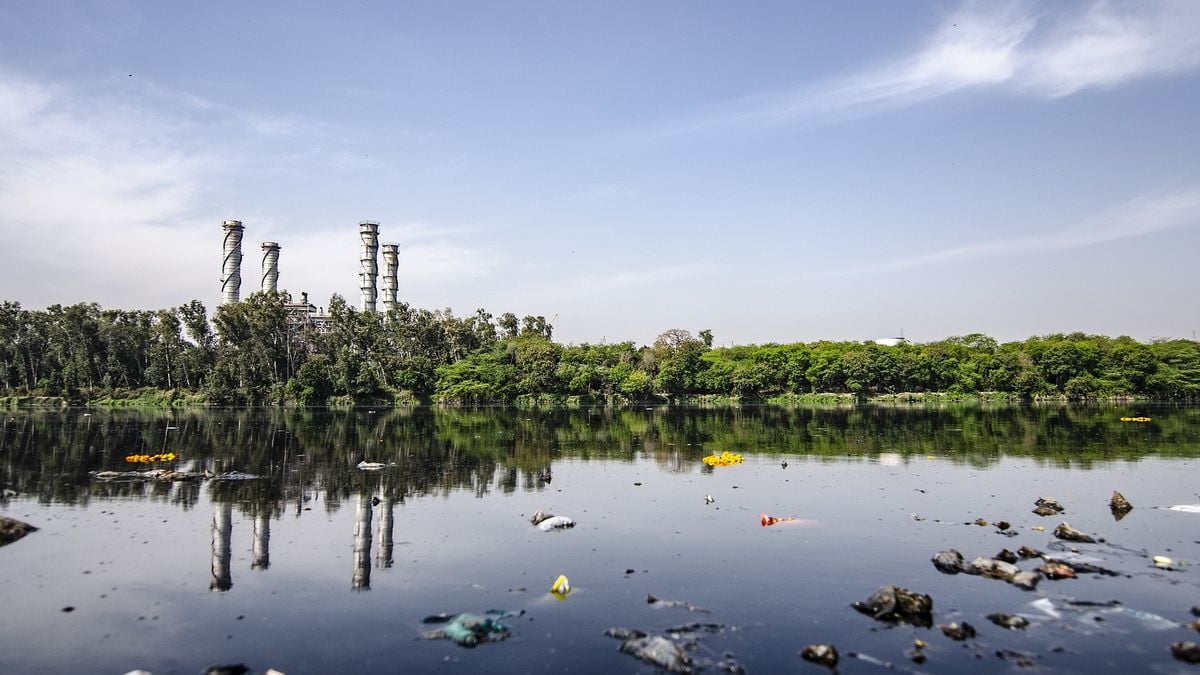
(1068, 533)
(1029, 552)
(826, 655)
(949, 561)
(1088, 612)
(1188, 652)
(561, 587)
(726, 458)
(146, 459)
(1119, 505)
(957, 631)
(1164, 563)
(469, 630)
(1136, 419)
(767, 521)
(235, 475)
(371, 466)
(548, 521)
(1009, 621)
(12, 530)
(1057, 570)
(675, 650)
(1047, 506)
(898, 605)
(660, 602)
(658, 651)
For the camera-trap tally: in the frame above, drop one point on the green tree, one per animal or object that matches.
(483, 377)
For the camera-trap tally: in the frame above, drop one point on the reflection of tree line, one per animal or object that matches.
(302, 452)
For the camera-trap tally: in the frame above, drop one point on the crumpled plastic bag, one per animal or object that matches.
(468, 630)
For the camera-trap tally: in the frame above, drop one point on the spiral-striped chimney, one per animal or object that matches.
(231, 267)
(270, 266)
(368, 271)
(391, 267)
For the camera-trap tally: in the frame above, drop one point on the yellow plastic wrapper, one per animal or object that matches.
(561, 587)
(161, 457)
(726, 458)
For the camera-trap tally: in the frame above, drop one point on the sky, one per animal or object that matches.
(771, 171)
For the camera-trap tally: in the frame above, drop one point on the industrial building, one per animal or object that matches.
(304, 312)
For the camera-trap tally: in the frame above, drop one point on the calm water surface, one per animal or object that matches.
(319, 567)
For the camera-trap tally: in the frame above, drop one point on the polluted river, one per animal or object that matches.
(601, 540)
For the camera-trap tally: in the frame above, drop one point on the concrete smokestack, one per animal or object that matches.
(231, 268)
(368, 231)
(391, 266)
(270, 266)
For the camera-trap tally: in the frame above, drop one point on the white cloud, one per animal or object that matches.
(119, 201)
(1138, 218)
(85, 193)
(1108, 46)
(989, 45)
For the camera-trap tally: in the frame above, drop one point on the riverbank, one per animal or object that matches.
(181, 398)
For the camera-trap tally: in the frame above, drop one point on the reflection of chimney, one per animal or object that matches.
(368, 231)
(222, 529)
(270, 266)
(262, 541)
(383, 557)
(231, 269)
(391, 265)
(361, 581)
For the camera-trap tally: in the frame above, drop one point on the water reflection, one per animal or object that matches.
(857, 478)
(222, 531)
(299, 453)
(262, 540)
(387, 509)
(361, 581)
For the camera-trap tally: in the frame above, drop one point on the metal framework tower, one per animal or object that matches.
(231, 267)
(368, 231)
(391, 267)
(270, 266)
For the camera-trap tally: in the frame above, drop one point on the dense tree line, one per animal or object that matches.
(256, 352)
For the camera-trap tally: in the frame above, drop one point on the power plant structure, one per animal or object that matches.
(303, 311)
(270, 266)
(368, 271)
(231, 264)
(391, 267)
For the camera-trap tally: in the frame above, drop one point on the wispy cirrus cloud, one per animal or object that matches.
(980, 45)
(1140, 217)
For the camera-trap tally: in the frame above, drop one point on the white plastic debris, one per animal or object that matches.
(555, 522)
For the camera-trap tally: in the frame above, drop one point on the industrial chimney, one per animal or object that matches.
(391, 265)
(231, 269)
(270, 266)
(368, 231)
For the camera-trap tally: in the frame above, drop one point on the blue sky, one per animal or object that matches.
(773, 171)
